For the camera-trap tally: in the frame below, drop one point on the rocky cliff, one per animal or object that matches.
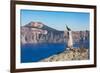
(37, 32)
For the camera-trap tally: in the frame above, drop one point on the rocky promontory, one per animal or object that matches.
(73, 54)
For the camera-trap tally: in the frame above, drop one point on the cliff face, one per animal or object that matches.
(37, 32)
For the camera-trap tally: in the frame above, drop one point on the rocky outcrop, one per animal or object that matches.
(73, 54)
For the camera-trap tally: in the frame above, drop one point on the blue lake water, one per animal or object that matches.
(37, 52)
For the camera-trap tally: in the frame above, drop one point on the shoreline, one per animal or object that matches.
(67, 55)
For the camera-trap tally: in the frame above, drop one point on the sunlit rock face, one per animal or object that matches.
(35, 25)
(37, 32)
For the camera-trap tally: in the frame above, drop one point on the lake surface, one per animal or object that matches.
(37, 52)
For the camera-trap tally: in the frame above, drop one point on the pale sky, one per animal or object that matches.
(77, 21)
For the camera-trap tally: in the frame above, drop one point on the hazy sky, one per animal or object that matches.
(75, 20)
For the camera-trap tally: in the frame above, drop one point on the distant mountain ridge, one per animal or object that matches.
(44, 27)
